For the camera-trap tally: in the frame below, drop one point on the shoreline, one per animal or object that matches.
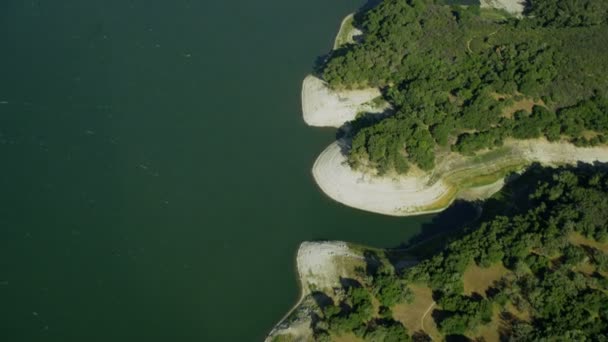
(399, 196)
(347, 32)
(316, 266)
(455, 176)
(324, 107)
(276, 328)
(513, 7)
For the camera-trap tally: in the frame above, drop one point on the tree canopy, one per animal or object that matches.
(453, 73)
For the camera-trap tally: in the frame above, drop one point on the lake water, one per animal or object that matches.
(156, 170)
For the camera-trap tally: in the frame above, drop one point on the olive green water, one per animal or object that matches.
(156, 170)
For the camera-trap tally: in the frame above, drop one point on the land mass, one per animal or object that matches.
(534, 267)
(436, 102)
(374, 167)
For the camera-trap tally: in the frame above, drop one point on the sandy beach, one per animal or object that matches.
(323, 107)
(515, 7)
(399, 196)
(318, 266)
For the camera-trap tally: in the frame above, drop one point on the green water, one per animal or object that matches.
(156, 170)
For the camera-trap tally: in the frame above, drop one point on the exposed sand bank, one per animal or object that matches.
(400, 196)
(324, 107)
(320, 266)
(515, 7)
(317, 264)
(432, 192)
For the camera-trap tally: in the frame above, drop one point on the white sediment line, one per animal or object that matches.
(515, 7)
(323, 107)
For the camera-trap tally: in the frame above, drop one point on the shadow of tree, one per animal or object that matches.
(349, 130)
(421, 336)
(372, 262)
(457, 338)
(322, 299)
(349, 282)
(320, 61)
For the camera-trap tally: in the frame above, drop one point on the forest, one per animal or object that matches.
(550, 242)
(466, 79)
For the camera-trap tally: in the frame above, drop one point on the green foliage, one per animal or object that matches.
(533, 241)
(562, 301)
(390, 290)
(385, 145)
(465, 314)
(470, 142)
(450, 72)
(387, 331)
(568, 13)
(352, 313)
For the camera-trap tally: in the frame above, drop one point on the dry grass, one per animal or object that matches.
(411, 315)
(585, 268)
(491, 331)
(590, 134)
(580, 240)
(520, 315)
(477, 279)
(526, 104)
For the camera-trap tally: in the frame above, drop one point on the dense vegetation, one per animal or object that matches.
(458, 78)
(354, 312)
(552, 243)
(464, 79)
(535, 245)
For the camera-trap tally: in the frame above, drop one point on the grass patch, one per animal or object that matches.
(579, 240)
(525, 104)
(478, 279)
(344, 35)
(284, 338)
(490, 331)
(496, 15)
(585, 268)
(411, 315)
(488, 179)
(442, 202)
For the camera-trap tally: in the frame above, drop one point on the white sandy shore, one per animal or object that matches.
(318, 265)
(515, 7)
(323, 107)
(412, 195)
(399, 197)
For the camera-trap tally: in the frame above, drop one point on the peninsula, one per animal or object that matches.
(470, 96)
